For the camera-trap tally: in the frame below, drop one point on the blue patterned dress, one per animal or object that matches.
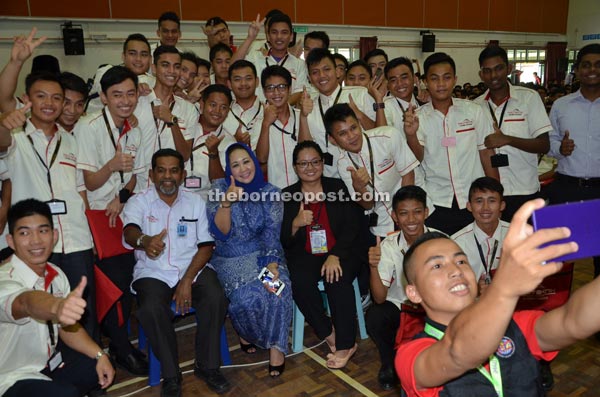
(259, 316)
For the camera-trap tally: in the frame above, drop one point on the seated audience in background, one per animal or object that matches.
(246, 233)
(43, 348)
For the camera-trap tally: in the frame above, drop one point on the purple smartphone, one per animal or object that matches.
(583, 218)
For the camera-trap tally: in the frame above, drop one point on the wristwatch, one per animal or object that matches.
(98, 355)
(173, 121)
(140, 240)
(378, 106)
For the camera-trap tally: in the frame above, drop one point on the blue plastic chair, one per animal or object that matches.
(154, 364)
(298, 319)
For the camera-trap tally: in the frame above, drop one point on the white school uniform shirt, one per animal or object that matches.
(295, 66)
(4, 175)
(30, 180)
(251, 120)
(391, 265)
(280, 165)
(364, 102)
(152, 215)
(198, 163)
(465, 238)
(96, 149)
(524, 117)
(25, 344)
(392, 159)
(449, 171)
(155, 133)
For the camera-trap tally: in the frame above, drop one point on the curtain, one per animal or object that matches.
(555, 52)
(367, 44)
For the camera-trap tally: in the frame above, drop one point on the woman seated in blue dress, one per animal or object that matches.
(320, 241)
(246, 230)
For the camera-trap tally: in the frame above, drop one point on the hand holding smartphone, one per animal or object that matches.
(267, 278)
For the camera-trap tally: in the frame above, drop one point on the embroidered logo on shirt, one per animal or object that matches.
(70, 156)
(152, 219)
(465, 123)
(506, 348)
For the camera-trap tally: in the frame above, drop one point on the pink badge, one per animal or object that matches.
(449, 141)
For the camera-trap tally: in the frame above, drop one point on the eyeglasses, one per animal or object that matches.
(278, 87)
(304, 164)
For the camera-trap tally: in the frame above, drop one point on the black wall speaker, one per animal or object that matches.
(73, 41)
(428, 44)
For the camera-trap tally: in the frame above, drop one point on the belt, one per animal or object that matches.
(581, 182)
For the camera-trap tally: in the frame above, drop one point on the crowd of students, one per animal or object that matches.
(166, 132)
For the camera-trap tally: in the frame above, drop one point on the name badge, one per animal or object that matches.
(449, 141)
(328, 158)
(193, 182)
(181, 229)
(318, 240)
(57, 207)
(55, 361)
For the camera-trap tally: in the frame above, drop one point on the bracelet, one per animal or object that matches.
(224, 206)
(213, 155)
(98, 355)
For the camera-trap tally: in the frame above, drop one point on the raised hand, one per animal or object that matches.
(23, 46)
(155, 245)
(360, 178)
(411, 121)
(375, 253)
(121, 161)
(255, 27)
(241, 136)
(212, 143)
(233, 193)
(15, 118)
(497, 139)
(195, 93)
(270, 114)
(567, 145)
(306, 103)
(303, 218)
(162, 112)
(144, 89)
(71, 308)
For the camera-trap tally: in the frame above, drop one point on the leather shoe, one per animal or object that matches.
(171, 387)
(547, 377)
(387, 377)
(213, 378)
(134, 363)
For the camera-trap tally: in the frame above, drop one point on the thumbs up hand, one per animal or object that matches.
(121, 161)
(71, 308)
(375, 253)
(360, 178)
(567, 145)
(155, 245)
(306, 103)
(411, 121)
(233, 193)
(497, 139)
(304, 217)
(15, 118)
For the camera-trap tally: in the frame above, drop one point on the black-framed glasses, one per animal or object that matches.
(278, 87)
(304, 164)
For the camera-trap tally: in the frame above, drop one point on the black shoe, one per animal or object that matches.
(387, 377)
(134, 363)
(213, 378)
(171, 387)
(547, 377)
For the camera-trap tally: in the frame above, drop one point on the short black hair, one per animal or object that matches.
(70, 81)
(397, 62)
(409, 192)
(341, 58)
(216, 88)
(164, 49)
(318, 35)
(25, 208)
(167, 152)
(41, 76)
(336, 113)
(425, 237)
(203, 62)
(317, 55)
(189, 56)
(588, 49)
(374, 53)
(492, 51)
(216, 21)
(135, 37)
(279, 17)
(240, 64)
(486, 183)
(117, 75)
(362, 64)
(270, 14)
(219, 47)
(169, 16)
(438, 57)
(275, 70)
(306, 145)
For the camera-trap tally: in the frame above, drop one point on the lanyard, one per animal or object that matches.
(401, 107)
(335, 101)
(156, 121)
(198, 146)
(285, 58)
(293, 133)
(494, 375)
(53, 158)
(499, 123)
(372, 183)
(112, 138)
(239, 119)
(487, 266)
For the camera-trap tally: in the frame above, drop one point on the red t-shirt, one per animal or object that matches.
(320, 218)
(408, 353)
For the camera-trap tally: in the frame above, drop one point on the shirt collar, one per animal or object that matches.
(236, 106)
(30, 128)
(326, 100)
(30, 278)
(482, 236)
(156, 198)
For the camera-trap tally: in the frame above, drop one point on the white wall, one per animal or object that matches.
(104, 40)
(584, 16)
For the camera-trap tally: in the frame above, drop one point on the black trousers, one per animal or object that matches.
(75, 265)
(382, 322)
(563, 190)
(75, 378)
(155, 316)
(119, 269)
(449, 220)
(305, 273)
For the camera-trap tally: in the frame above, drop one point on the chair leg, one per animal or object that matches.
(360, 315)
(297, 330)
(225, 356)
(153, 368)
